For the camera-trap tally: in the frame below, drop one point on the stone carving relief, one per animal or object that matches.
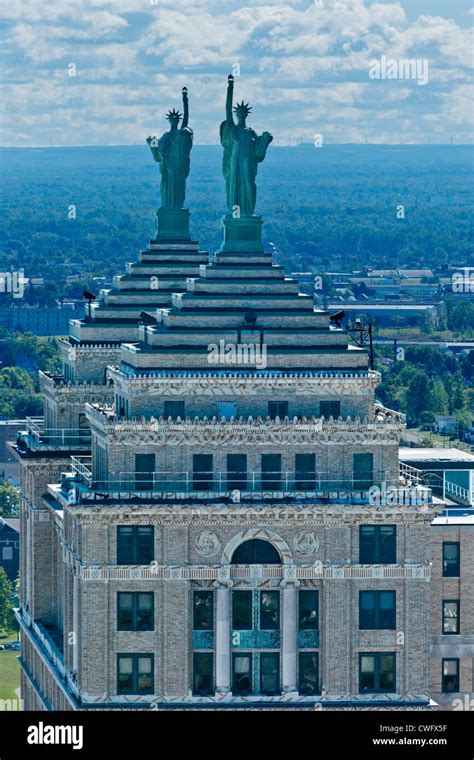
(207, 543)
(306, 543)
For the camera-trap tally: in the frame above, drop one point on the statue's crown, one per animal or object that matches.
(242, 108)
(173, 115)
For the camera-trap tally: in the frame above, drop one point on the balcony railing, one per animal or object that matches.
(37, 435)
(240, 486)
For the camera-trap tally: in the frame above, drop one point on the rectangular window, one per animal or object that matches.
(135, 611)
(226, 409)
(7, 553)
(308, 673)
(450, 675)
(451, 559)
(278, 409)
(308, 614)
(135, 544)
(203, 677)
(242, 673)
(236, 472)
(135, 674)
(362, 471)
(330, 409)
(377, 610)
(269, 673)
(144, 470)
(377, 673)
(271, 472)
(269, 610)
(450, 616)
(305, 472)
(203, 472)
(378, 544)
(174, 409)
(242, 611)
(203, 611)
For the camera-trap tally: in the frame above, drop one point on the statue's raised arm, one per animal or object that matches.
(229, 101)
(185, 108)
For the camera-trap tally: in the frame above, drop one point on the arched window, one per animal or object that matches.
(256, 552)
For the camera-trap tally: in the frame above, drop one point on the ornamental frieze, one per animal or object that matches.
(233, 384)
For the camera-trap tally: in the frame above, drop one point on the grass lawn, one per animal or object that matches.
(9, 670)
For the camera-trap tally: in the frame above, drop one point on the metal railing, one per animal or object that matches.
(455, 491)
(40, 435)
(234, 484)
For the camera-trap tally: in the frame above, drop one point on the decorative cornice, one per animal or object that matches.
(343, 514)
(241, 384)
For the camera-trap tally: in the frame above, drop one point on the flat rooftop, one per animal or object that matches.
(435, 455)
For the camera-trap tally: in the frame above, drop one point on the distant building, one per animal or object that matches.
(384, 313)
(448, 472)
(40, 320)
(9, 467)
(10, 546)
(445, 424)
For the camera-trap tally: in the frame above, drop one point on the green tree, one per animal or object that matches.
(7, 618)
(9, 500)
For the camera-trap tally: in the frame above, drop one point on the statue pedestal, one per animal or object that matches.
(244, 234)
(172, 224)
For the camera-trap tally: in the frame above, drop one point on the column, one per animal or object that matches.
(289, 635)
(222, 647)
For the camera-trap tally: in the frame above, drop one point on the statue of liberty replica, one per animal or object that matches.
(243, 151)
(172, 152)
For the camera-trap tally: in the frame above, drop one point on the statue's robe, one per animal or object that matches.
(243, 151)
(173, 154)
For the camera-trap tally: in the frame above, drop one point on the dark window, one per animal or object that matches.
(135, 611)
(144, 470)
(271, 471)
(362, 471)
(269, 673)
(450, 675)
(377, 610)
(378, 544)
(242, 674)
(308, 610)
(242, 611)
(277, 409)
(269, 610)
(256, 551)
(203, 476)
(305, 472)
(308, 675)
(174, 409)
(330, 409)
(236, 472)
(450, 616)
(135, 544)
(203, 679)
(203, 611)
(451, 559)
(377, 673)
(135, 674)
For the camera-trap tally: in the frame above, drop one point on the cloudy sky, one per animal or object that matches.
(304, 66)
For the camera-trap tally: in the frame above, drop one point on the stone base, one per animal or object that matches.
(172, 224)
(244, 234)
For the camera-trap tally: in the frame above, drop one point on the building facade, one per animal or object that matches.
(214, 513)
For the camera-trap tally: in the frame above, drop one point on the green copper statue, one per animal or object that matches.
(243, 151)
(172, 151)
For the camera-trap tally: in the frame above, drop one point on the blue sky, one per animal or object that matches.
(304, 66)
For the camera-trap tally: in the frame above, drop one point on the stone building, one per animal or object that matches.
(209, 514)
